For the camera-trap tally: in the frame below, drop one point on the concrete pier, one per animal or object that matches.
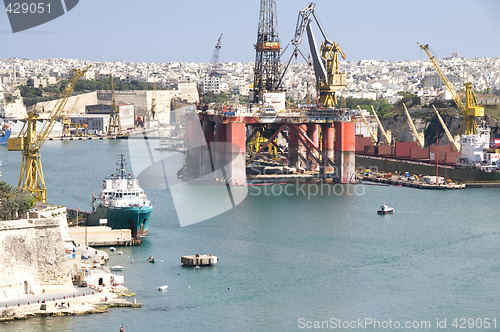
(199, 260)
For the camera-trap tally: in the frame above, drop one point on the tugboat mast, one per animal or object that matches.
(120, 169)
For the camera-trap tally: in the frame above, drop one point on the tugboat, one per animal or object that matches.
(384, 209)
(122, 203)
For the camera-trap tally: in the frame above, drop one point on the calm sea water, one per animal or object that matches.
(289, 259)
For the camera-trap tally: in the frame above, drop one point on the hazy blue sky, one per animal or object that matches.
(165, 30)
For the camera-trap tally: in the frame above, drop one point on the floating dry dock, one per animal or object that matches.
(197, 260)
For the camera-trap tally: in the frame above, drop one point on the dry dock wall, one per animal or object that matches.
(32, 258)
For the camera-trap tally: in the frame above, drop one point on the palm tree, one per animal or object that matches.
(14, 203)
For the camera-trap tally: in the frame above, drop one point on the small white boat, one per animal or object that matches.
(384, 209)
(112, 249)
(116, 268)
(119, 252)
(162, 288)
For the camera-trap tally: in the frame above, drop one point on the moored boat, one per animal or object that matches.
(121, 204)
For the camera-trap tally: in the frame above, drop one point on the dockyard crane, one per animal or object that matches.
(66, 120)
(471, 110)
(386, 134)
(373, 133)
(114, 126)
(456, 145)
(329, 79)
(215, 57)
(419, 137)
(29, 142)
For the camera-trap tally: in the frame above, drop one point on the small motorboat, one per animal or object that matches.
(384, 209)
(162, 288)
(151, 259)
(116, 268)
(112, 249)
(119, 252)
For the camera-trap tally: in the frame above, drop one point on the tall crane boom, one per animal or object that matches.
(471, 109)
(325, 59)
(456, 146)
(419, 137)
(31, 177)
(385, 133)
(373, 133)
(215, 56)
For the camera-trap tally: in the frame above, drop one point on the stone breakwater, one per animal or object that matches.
(98, 302)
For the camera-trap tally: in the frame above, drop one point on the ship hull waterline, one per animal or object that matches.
(134, 218)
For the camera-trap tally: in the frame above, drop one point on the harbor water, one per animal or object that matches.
(289, 258)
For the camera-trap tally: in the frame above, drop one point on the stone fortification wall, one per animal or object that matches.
(32, 258)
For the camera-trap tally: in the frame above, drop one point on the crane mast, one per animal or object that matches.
(385, 133)
(28, 141)
(325, 59)
(373, 133)
(216, 56)
(456, 146)
(471, 109)
(419, 137)
(114, 126)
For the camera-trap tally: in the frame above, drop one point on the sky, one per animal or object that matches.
(169, 31)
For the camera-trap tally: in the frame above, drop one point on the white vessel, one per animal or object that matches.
(384, 209)
(121, 204)
(476, 150)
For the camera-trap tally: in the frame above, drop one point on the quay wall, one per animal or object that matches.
(456, 174)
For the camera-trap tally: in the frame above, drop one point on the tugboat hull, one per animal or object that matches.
(134, 218)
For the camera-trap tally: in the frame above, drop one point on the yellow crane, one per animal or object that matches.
(373, 133)
(29, 142)
(419, 137)
(471, 109)
(114, 126)
(386, 134)
(453, 141)
(66, 120)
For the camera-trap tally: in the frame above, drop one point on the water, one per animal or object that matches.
(286, 258)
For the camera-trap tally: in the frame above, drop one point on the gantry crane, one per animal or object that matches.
(386, 134)
(29, 142)
(456, 145)
(471, 110)
(114, 126)
(329, 79)
(419, 137)
(373, 133)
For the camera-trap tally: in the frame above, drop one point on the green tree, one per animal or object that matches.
(410, 99)
(14, 203)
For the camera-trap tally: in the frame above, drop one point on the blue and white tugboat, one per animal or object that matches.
(122, 203)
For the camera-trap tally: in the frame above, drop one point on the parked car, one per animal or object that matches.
(84, 284)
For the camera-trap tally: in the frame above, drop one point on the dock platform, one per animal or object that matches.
(199, 260)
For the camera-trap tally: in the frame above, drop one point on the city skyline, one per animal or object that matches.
(169, 32)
